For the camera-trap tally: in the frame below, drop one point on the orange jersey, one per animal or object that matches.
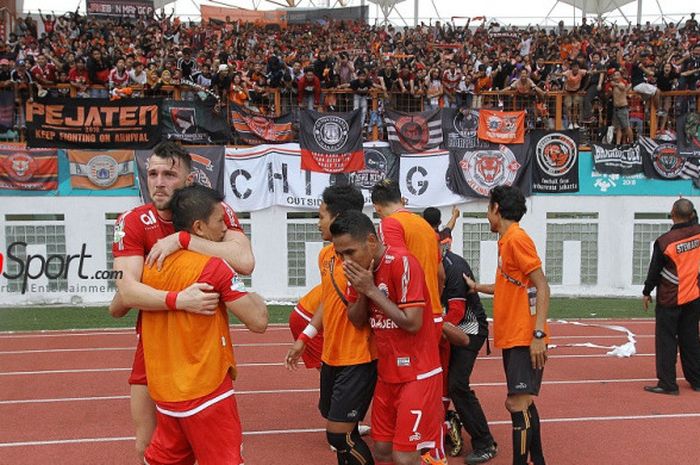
(513, 317)
(310, 302)
(403, 229)
(188, 355)
(343, 343)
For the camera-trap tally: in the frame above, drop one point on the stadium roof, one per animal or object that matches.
(597, 7)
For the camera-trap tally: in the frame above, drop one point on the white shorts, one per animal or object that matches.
(645, 88)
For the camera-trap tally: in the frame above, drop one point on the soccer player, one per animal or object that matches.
(519, 324)
(145, 235)
(387, 292)
(189, 358)
(299, 320)
(349, 368)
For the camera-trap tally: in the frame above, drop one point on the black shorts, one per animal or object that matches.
(521, 378)
(346, 391)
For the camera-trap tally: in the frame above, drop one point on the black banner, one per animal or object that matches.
(7, 110)
(688, 134)
(331, 142)
(413, 132)
(460, 128)
(194, 122)
(661, 160)
(555, 161)
(92, 123)
(380, 163)
(610, 159)
(473, 173)
(124, 8)
(207, 166)
(256, 129)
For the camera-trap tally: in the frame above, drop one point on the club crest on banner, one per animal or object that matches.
(331, 132)
(667, 162)
(20, 166)
(486, 169)
(466, 124)
(556, 154)
(413, 131)
(102, 170)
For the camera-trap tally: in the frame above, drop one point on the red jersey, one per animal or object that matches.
(47, 73)
(403, 356)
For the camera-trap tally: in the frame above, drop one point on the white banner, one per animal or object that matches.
(266, 175)
(422, 180)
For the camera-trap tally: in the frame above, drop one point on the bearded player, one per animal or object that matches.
(146, 236)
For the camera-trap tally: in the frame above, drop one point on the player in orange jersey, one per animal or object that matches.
(299, 320)
(189, 358)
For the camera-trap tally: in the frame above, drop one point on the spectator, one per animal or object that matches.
(621, 112)
(594, 85)
(98, 70)
(187, 65)
(309, 90)
(118, 77)
(666, 80)
(78, 78)
(573, 79)
(137, 76)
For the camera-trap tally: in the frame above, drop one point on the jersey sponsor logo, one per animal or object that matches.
(556, 154)
(486, 169)
(149, 219)
(415, 437)
(403, 361)
(687, 246)
(331, 132)
(667, 162)
(380, 322)
(521, 386)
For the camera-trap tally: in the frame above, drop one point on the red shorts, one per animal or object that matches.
(138, 369)
(211, 436)
(298, 320)
(438, 328)
(409, 415)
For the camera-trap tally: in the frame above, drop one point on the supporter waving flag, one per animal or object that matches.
(331, 142)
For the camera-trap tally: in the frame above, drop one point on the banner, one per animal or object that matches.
(331, 142)
(502, 127)
(611, 159)
(422, 180)
(459, 129)
(194, 122)
(380, 163)
(473, 173)
(662, 161)
(256, 129)
(413, 132)
(30, 170)
(101, 169)
(555, 161)
(207, 166)
(90, 123)
(688, 134)
(123, 8)
(7, 110)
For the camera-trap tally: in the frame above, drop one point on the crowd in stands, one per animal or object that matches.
(439, 64)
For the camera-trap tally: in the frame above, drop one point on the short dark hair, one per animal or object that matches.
(340, 198)
(385, 192)
(355, 223)
(432, 216)
(511, 202)
(192, 203)
(172, 150)
(683, 209)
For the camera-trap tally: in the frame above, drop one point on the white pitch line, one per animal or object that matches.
(275, 364)
(108, 332)
(313, 390)
(320, 430)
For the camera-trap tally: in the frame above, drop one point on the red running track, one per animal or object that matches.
(64, 400)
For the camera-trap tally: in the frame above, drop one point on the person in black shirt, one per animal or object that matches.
(594, 85)
(501, 73)
(361, 88)
(666, 80)
(464, 309)
(187, 65)
(388, 75)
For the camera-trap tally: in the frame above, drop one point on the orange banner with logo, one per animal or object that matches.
(101, 169)
(502, 127)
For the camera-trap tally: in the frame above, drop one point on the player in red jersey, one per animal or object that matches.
(146, 236)
(387, 289)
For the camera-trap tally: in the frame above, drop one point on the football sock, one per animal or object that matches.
(536, 454)
(522, 436)
(350, 448)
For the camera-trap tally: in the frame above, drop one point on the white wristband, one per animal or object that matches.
(310, 331)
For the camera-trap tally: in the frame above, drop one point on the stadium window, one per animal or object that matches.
(580, 227)
(475, 230)
(302, 227)
(647, 227)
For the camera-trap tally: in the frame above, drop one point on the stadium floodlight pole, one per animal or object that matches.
(415, 13)
(639, 12)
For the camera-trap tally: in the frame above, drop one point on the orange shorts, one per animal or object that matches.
(138, 368)
(409, 415)
(298, 320)
(211, 436)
